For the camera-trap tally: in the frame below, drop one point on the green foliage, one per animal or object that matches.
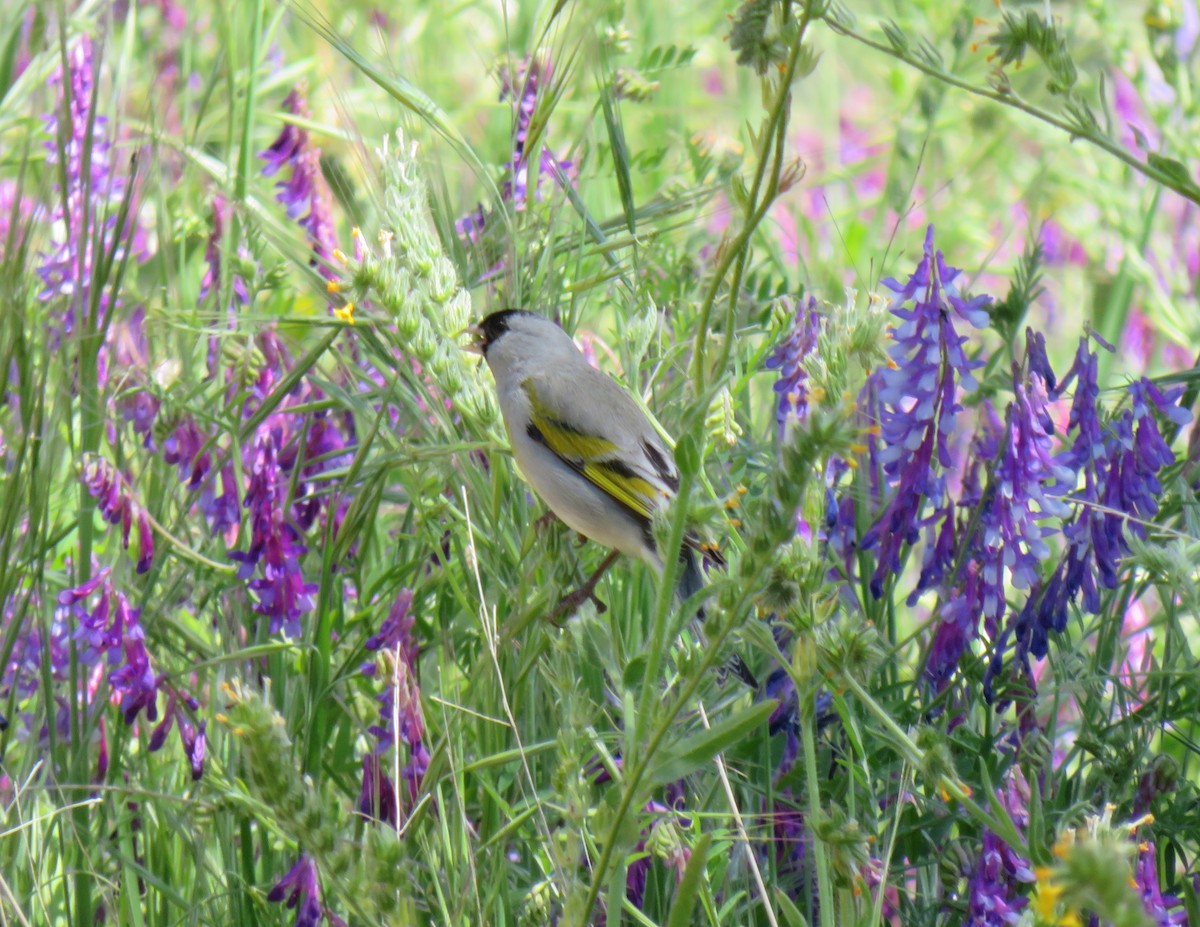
(690, 176)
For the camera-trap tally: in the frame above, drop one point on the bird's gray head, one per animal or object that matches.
(513, 339)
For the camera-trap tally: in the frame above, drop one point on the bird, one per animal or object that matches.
(585, 446)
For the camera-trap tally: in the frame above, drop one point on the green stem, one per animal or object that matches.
(662, 603)
(637, 771)
(815, 814)
(914, 755)
(1187, 190)
(737, 254)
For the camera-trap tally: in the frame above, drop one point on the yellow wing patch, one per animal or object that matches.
(592, 456)
(635, 493)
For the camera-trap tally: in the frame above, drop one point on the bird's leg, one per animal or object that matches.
(545, 521)
(570, 602)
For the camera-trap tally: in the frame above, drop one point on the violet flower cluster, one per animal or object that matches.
(118, 507)
(523, 86)
(300, 888)
(282, 594)
(1115, 484)
(400, 714)
(86, 210)
(788, 358)
(1018, 489)
(919, 403)
(304, 192)
(995, 894)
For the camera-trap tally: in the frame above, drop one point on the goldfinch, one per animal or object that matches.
(583, 443)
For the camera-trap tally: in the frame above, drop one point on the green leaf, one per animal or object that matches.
(689, 885)
(635, 672)
(687, 456)
(1175, 170)
(620, 157)
(791, 914)
(690, 753)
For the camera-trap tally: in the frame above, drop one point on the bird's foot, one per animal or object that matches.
(569, 603)
(544, 522)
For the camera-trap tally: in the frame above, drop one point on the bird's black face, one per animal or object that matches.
(491, 328)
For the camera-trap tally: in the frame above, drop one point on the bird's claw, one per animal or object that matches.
(571, 602)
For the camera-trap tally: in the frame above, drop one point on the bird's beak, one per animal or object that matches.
(475, 345)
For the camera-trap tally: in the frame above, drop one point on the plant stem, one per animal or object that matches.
(737, 253)
(1158, 175)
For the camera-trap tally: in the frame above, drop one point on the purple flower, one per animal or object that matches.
(222, 511)
(400, 713)
(135, 680)
(193, 739)
(522, 87)
(995, 899)
(918, 395)
(304, 193)
(377, 798)
(788, 357)
(325, 448)
(275, 548)
(1027, 484)
(302, 889)
(1156, 904)
(957, 626)
(395, 634)
(87, 208)
(195, 745)
(186, 447)
(111, 630)
(118, 507)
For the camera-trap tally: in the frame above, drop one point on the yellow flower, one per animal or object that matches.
(1046, 897)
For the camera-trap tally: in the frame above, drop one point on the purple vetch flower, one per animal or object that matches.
(400, 714)
(792, 388)
(111, 632)
(995, 891)
(275, 549)
(918, 395)
(135, 680)
(377, 798)
(957, 626)
(522, 86)
(192, 738)
(187, 448)
(396, 633)
(325, 448)
(86, 209)
(1156, 904)
(38, 654)
(1116, 491)
(195, 745)
(304, 192)
(223, 510)
(302, 889)
(118, 507)
(1027, 484)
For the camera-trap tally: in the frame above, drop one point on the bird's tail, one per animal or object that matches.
(691, 576)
